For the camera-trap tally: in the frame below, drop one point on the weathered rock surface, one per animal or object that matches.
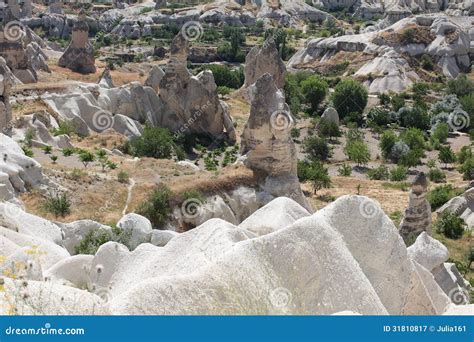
(384, 56)
(75, 232)
(138, 227)
(6, 82)
(417, 217)
(428, 252)
(79, 55)
(17, 171)
(262, 60)
(267, 143)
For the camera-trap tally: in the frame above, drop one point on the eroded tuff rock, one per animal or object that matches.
(267, 144)
(385, 56)
(190, 104)
(17, 171)
(346, 257)
(79, 55)
(417, 218)
(462, 206)
(6, 81)
(262, 60)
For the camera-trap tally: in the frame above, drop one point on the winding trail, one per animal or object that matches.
(129, 195)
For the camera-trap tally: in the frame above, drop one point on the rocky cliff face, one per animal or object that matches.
(6, 81)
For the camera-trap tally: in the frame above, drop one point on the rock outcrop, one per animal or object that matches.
(384, 56)
(6, 80)
(79, 55)
(292, 263)
(262, 60)
(417, 218)
(266, 142)
(190, 104)
(461, 206)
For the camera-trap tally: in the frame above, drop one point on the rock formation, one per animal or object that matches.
(331, 115)
(155, 77)
(105, 80)
(266, 142)
(79, 55)
(417, 218)
(462, 206)
(190, 103)
(17, 171)
(290, 264)
(384, 56)
(6, 80)
(262, 60)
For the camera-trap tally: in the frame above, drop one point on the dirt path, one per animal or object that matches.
(129, 195)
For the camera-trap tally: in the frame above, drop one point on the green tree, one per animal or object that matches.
(450, 226)
(316, 148)
(387, 141)
(441, 133)
(156, 207)
(349, 96)
(358, 152)
(319, 177)
(314, 90)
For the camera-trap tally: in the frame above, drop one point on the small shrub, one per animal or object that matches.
(441, 133)
(97, 237)
(446, 155)
(28, 151)
(450, 226)
(123, 177)
(318, 176)
(157, 206)
(47, 149)
(57, 204)
(345, 170)
(54, 158)
(387, 142)
(358, 152)
(467, 169)
(86, 157)
(461, 86)
(398, 174)
(155, 142)
(316, 148)
(65, 127)
(378, 117)
(329, 129)
(436, 175)
(67, 152)
(440, 195)
(379, 173)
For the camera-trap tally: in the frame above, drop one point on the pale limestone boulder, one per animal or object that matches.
(47, 252)
(16, 219)
(75, 232)
(243, 202)
(278, 214)
(7, 247)
(439, 300)
(428, 252)
(48, 298)
(74, 270)
(452, 282)
(138, 227)
(331, 115)
(160, 238)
